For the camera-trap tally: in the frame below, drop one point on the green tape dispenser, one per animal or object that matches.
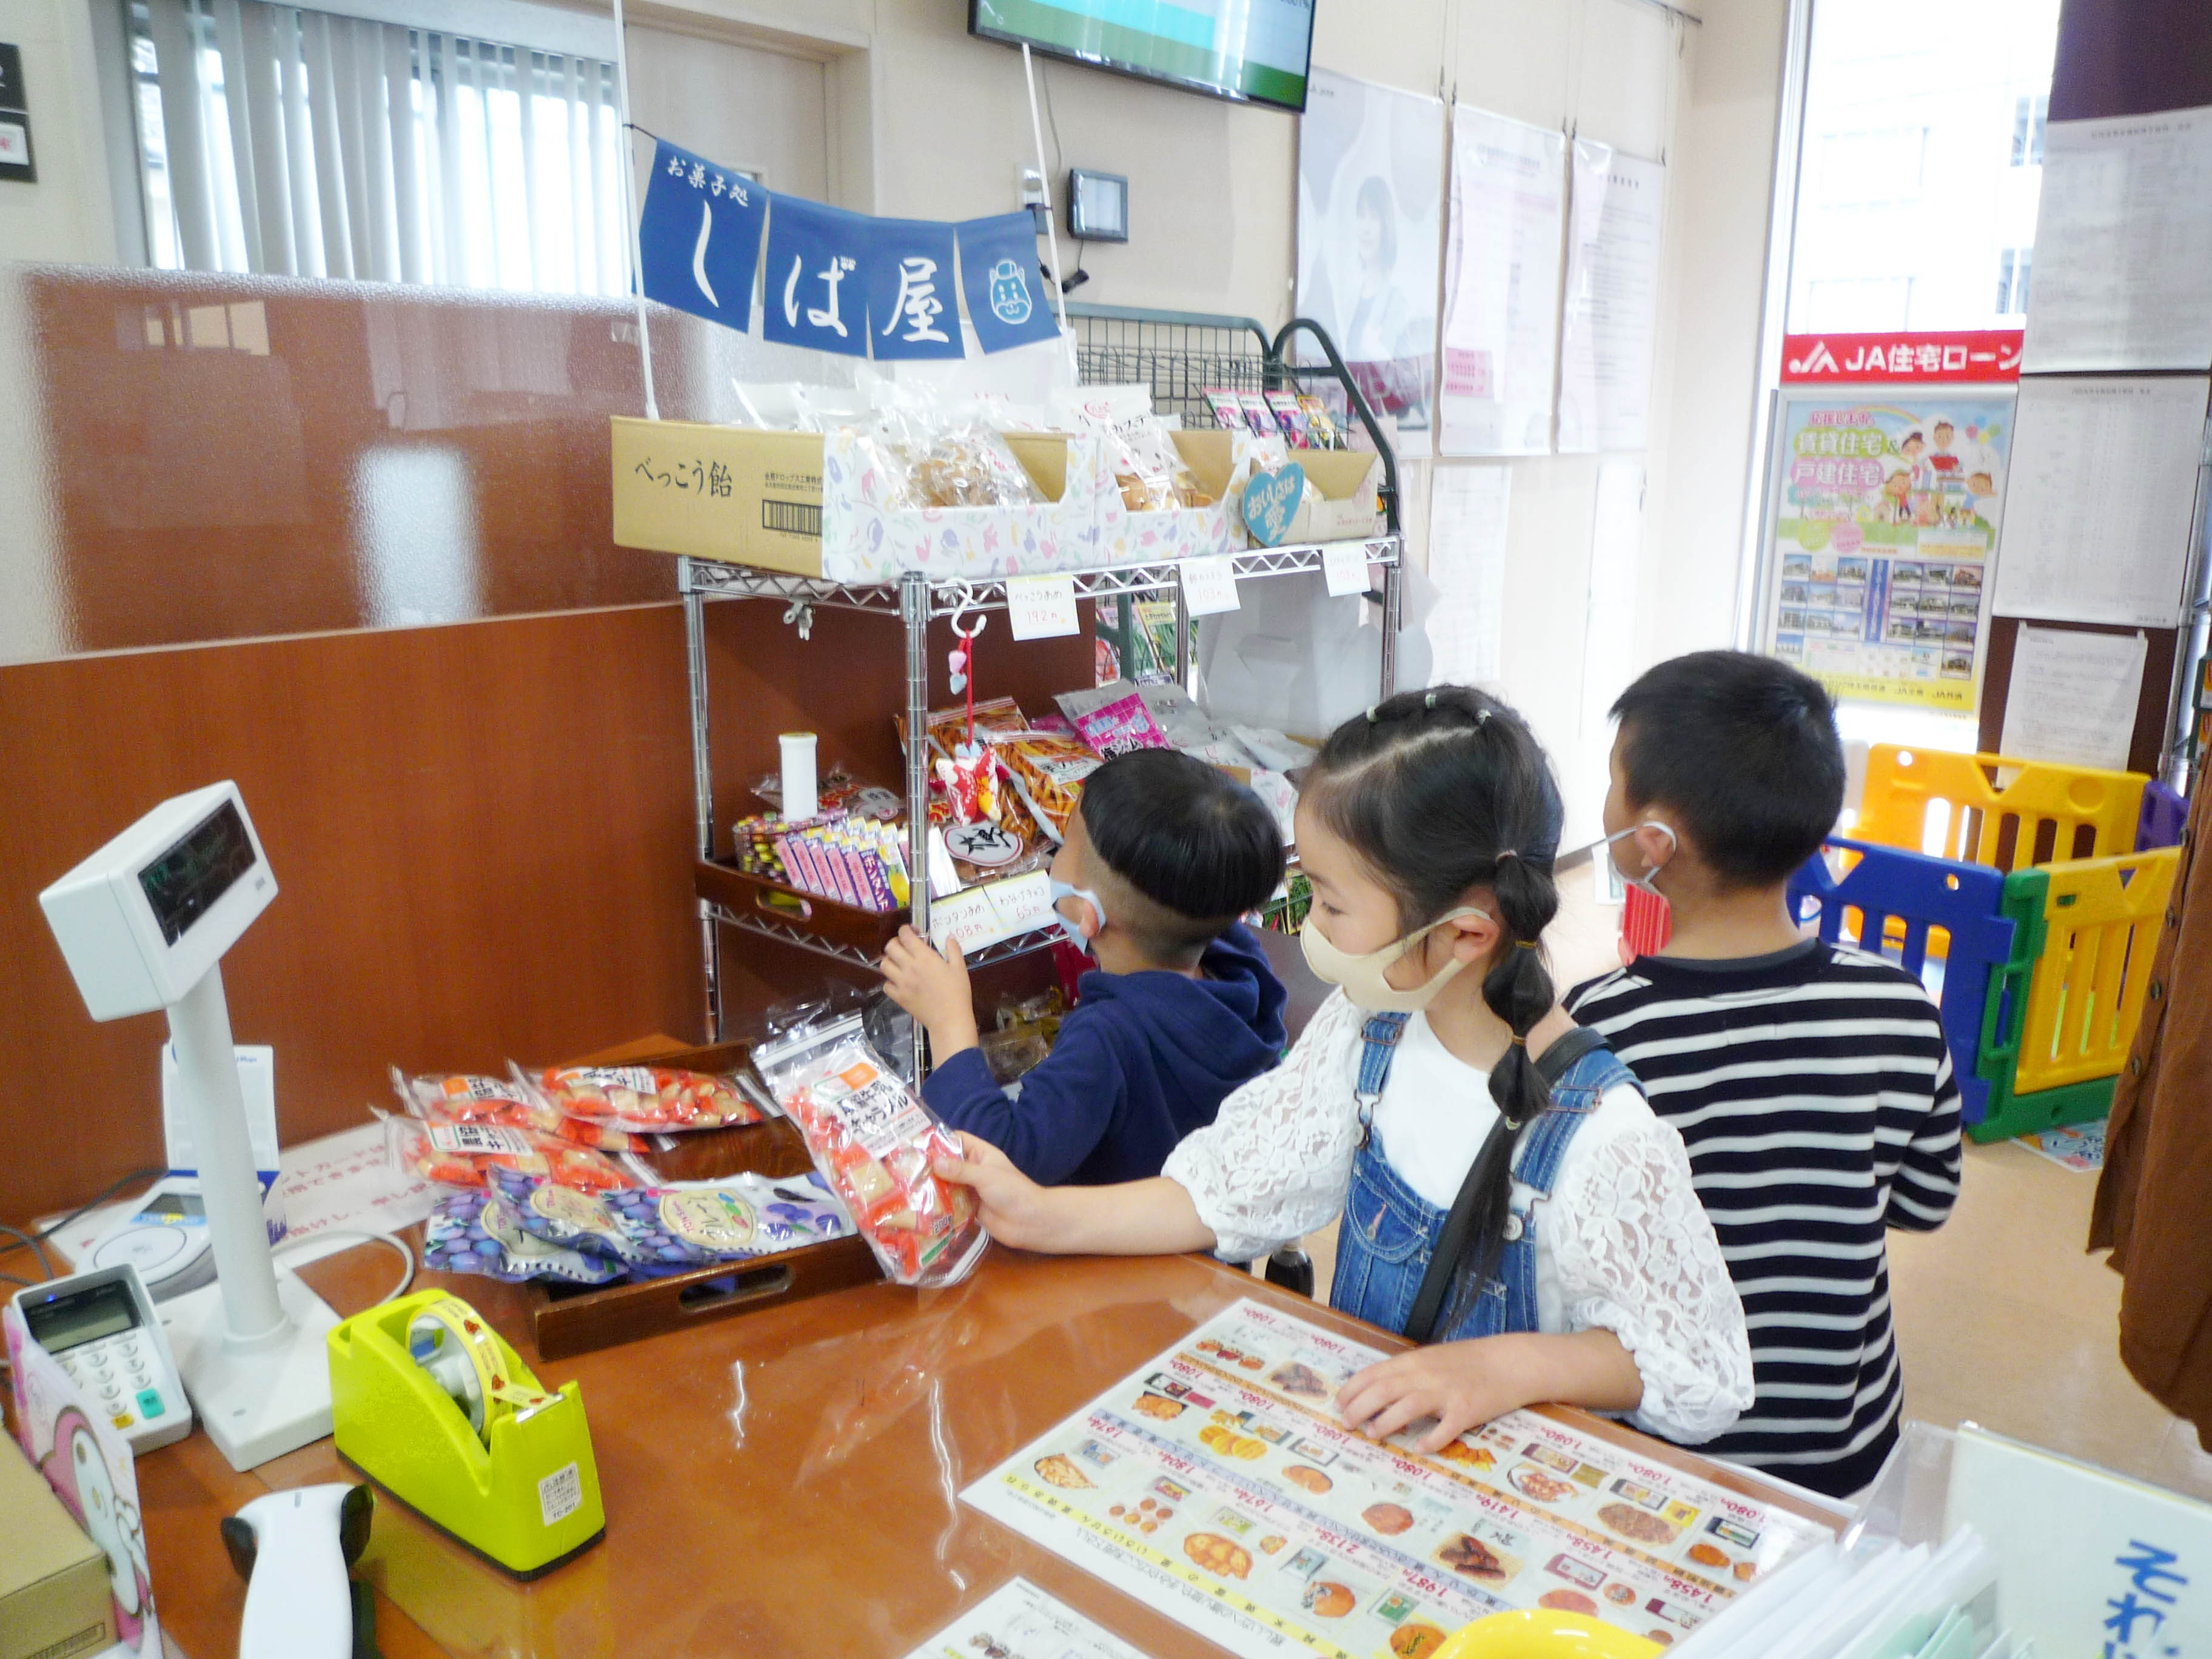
(428, 1402)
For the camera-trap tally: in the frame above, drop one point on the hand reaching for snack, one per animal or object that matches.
(1014, 1208)
(934, 989)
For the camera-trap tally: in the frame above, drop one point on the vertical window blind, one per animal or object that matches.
(291, 142)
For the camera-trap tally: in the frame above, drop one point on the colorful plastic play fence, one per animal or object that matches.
(1903, 898)
(1954, 806)
(2063, 1014)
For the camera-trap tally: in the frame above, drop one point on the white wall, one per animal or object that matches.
(66, 215)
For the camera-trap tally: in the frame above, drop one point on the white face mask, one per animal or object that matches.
(1076, 936)
(1644, 880)
(1362, 977)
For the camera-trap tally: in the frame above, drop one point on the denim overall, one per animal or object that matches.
(1389, 1231)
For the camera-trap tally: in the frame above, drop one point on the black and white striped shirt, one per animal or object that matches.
(1813, 1092)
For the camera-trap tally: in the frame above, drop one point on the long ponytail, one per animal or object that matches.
(1438, 792)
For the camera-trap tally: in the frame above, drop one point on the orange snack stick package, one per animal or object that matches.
(872, 1140)
(642, 1099)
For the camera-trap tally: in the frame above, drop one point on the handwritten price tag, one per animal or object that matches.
(1209, 585)
(1344, 568)
(1041, 607)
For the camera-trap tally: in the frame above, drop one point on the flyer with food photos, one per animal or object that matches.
(1218, 1484)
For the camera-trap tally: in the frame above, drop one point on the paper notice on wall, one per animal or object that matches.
(2124, 245)
(2103, 484)
(1609, 642)
(1612, 306)
(1502, 286)
(1468, 509)
(2073, 696)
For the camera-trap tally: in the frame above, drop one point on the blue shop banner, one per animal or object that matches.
(999, 273)
(818, 261)
(913, 311)
(699, 237)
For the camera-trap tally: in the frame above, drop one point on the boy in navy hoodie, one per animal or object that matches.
(1162, 856)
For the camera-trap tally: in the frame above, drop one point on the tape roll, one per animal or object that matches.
(449, 1340)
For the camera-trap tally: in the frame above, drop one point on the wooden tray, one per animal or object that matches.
(568, 1320)
(744, 894)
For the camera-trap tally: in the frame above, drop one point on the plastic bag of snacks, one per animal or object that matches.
(1116, 727)
(461, 1098)
(872, 1140)
(674, 1229)
(464, 1154)
(482, 1233)
(643, 1099)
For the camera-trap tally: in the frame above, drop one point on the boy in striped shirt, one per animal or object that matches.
(1810, 1081)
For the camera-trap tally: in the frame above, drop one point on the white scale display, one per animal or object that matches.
(144, 923)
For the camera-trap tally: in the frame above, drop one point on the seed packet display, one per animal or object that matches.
(1219, 1484)
(1291, 418)
(1228, 407)
(642, 1099)
(873, 1141)
(482, 1233)
(673, 1229)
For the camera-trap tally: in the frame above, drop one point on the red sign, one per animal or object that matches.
(1972, 354)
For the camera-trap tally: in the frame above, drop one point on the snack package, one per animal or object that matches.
(995, 717)
(872, 1140)
(1291, 417)
(463, 1097)
(675, 1227)
(1319, 424)
(1049, 772)
(481, 1233)
(643, 1099)
(838, 792)
(1119, 726)
(1258, 416)
(966, 465)
(463, 1155)
(1228, 408)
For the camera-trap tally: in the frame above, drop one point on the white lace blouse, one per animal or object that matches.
(1622, 1243)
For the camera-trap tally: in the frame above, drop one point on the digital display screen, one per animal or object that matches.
(1253, 50)
(176, 1207)
(183, 884)
(81, 1316)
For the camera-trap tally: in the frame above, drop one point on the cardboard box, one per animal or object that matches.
(1187, 532)
(54, 1595)
(1339, 503)
(808, 503)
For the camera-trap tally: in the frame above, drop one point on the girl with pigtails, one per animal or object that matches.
(1508, 1198)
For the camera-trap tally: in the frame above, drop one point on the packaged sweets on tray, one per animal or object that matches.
(872, 1140)
(482, 1233)
(644, 1099)
(663, 1230)
(465, 1154)
(462, 1097)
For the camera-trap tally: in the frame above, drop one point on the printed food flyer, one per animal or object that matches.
(1017, 1620)
(1884, 518)
(1218, 1484)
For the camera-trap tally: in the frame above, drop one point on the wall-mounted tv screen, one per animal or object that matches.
(1254, 51)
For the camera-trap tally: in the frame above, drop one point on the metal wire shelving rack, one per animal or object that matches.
(1179, 355)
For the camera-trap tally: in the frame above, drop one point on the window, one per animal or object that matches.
(296, 143)
(1921, 163)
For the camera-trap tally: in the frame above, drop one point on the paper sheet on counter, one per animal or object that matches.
(2073, 696)
(1467, 512)
(1017, 1620)
(1610, 313)
(2104, 483)
(2124, 245)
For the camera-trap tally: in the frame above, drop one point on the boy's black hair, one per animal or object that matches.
(1438, 792)
(1743, 749)
(1202, 848)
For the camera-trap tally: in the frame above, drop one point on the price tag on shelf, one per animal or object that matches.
(1041, 607)
(1209, 585)
(1344, 568)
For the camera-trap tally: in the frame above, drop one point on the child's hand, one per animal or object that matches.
(1461, 1384)
(934, 989)
(1016, 1210)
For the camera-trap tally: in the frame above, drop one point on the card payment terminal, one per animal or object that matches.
(102, 1328)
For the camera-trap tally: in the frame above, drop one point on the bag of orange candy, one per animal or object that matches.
(459, 1154)
(642, 1099)
(872, 1140)
(462, 1097)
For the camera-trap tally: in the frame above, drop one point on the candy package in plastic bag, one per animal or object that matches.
(673, 1229)
(643, 1099)
(482, 1233)
(872, 1140)
(466, 1098)
(464, 1154)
